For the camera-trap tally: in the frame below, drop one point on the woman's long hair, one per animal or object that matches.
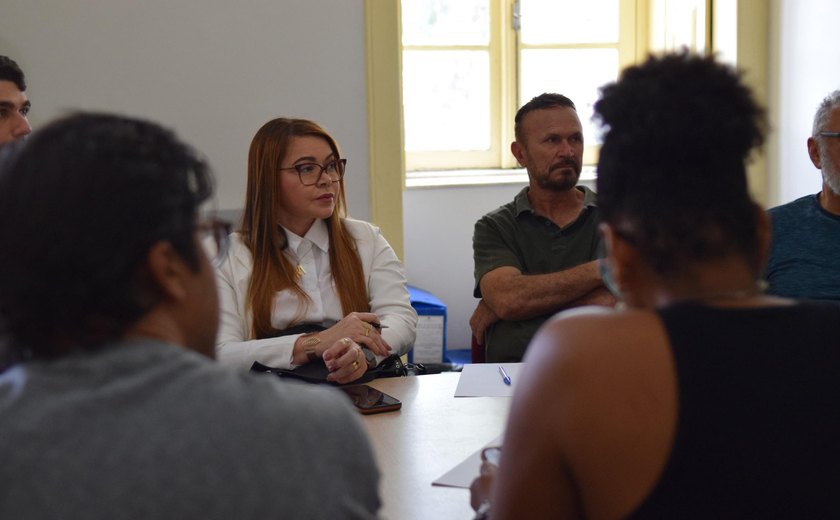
(272, 271)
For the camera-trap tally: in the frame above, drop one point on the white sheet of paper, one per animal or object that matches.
(428, 345)
(484, 380)
(464, 473)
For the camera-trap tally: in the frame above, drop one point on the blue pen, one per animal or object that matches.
(505, 377)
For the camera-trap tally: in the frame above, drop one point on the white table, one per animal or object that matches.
(431, 434)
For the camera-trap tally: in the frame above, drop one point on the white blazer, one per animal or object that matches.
(386, 286)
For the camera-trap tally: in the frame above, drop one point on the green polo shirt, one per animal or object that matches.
(514, 235)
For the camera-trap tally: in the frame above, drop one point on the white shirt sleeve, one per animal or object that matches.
(388, 289)
(232, 344)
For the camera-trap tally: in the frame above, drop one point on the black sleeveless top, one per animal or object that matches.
(758, 428)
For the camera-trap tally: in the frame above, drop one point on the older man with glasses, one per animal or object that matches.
(806, 232)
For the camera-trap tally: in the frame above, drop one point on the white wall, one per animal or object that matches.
(214, 71)
(438, 227)
(806, 69)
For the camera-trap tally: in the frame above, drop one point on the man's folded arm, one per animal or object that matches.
(482, 317)
(512, 295)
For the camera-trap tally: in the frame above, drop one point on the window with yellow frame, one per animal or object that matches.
(468, 65)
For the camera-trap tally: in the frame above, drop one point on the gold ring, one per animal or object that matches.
(355, 365)
(367, 332)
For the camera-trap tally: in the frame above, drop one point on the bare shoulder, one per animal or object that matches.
(594, 356)
(603, 383)
(596, 334)
(601, 355)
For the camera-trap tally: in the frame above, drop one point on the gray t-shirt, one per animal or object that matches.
(149, 430)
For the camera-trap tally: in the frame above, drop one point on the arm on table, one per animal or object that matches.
(389, 299)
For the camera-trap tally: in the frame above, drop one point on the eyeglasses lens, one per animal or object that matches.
(310, 173)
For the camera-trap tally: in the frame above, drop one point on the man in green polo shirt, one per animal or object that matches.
(537, 255)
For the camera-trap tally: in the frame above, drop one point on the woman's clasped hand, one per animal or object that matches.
(357, 326)
(345, 361)
(341, 345)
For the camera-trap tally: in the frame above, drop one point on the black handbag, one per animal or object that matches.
(391, 366)
(316, 372)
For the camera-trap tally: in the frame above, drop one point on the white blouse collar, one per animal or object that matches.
(318, 234)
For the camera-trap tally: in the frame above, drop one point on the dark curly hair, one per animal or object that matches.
(81, 203)
(678, 132)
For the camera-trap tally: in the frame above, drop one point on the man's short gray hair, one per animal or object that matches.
(828, 105)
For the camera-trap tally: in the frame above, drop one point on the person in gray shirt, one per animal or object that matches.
(114, 408)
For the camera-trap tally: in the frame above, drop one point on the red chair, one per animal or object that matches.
(477, 352)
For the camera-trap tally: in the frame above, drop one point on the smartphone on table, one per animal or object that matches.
(369, 400)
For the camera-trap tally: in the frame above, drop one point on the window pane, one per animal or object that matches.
(569, 21)
(445, 22)
(574, 73)
(446, 97)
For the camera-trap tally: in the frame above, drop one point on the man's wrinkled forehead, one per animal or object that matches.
(544, 120)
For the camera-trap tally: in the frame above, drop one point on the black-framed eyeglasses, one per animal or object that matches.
(310, 173)
(830, 134)
(214, 234)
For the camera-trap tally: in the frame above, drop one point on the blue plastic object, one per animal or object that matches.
(427, 304)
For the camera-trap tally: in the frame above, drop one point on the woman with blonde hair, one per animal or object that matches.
(302, 282)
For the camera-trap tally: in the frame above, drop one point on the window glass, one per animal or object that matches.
(445, 22)
(446, 100)
(569, 21)
(468, 65)
(575, 73)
